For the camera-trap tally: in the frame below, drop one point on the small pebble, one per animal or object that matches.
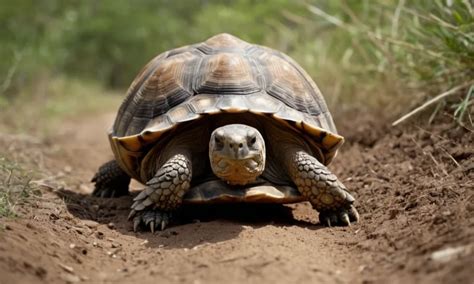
(451, 253)
(91, 224)
(72, 246)
(111, 225)
(66, 268)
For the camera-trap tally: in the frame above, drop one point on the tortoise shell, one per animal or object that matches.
(224, 74)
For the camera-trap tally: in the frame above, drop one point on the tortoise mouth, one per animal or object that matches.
(249, 165)
(238, 171)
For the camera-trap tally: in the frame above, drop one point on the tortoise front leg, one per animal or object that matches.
(163, 194)
(322, 188)
(110, 180)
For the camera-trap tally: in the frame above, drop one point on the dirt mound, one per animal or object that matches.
(414, 190)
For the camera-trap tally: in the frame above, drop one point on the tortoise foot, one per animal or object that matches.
(339, 217)
(110, 181)
(152, 219)
(323, 189)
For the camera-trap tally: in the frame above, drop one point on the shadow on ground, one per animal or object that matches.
(221, 221)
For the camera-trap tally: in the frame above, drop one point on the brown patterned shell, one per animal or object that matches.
(222, 74)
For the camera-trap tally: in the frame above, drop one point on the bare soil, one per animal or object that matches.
(414, 188)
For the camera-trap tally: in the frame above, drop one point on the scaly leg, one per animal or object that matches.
(110, 181)
(164, 193)
(322, 188)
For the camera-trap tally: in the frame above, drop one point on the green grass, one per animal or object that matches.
(15, 187)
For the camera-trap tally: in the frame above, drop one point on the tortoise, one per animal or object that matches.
(224, 121)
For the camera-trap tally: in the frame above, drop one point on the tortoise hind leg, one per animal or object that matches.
(322, 188)
(110, 181)
(164, 193)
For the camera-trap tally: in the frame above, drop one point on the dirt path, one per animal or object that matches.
(410, 208)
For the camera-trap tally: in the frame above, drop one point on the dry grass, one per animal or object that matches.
(15, 187)
(391, 56)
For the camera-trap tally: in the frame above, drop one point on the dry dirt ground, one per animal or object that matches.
(414, 191)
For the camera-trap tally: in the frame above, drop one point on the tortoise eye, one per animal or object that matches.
(253, 140)
(217, 140)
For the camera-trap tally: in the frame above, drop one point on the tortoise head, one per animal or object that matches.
(237, 153)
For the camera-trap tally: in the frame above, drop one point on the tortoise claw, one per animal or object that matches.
(150, 218)
(345, 219)
(342, 217)
(353, 214)
(132, 214)
(327, 221)
(136, 223)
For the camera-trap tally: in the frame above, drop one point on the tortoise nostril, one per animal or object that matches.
(241, 145)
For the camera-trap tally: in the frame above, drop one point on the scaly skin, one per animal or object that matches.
(110, 181)
(322, 188)
(154, 206)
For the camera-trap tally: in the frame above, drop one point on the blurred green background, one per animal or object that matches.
(66, 57)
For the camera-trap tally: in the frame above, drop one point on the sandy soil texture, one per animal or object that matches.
(414, 191)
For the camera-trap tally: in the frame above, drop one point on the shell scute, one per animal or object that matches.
(225, 73)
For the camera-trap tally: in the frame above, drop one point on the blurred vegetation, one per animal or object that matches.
(409, 50)
(38, 107)
(386, 55)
